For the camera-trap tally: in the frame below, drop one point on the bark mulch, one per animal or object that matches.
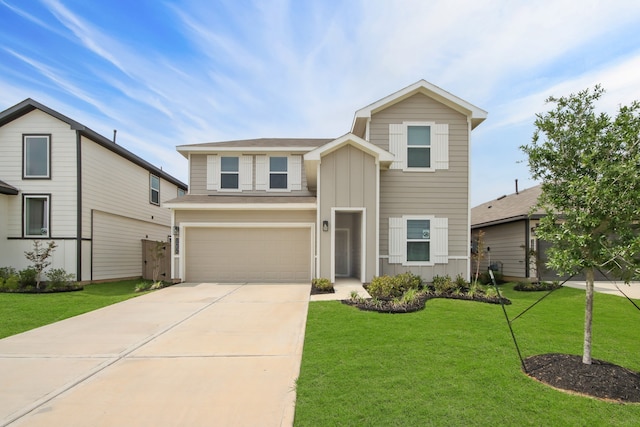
(601, 380)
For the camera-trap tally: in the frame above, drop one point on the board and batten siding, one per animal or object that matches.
(204, 216)
(348, 180)
(198, 176)
(442, 193)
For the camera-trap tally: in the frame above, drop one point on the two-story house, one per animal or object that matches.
(62, 181)
(392, 195)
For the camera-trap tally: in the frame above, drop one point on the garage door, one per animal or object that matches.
(247, 254)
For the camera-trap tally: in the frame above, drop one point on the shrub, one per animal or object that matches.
(10, 284)
(322, 284)
(406, 281)
(59, 279)
(28, 278)
(7, 272)
(443, 284)
(461, 284)
(383, 287)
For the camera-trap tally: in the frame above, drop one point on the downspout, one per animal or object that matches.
(78, 206)
(468, 268)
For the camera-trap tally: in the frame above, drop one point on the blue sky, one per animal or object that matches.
(165, 73)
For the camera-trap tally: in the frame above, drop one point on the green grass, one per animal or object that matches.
(22, 312)
(454, 363)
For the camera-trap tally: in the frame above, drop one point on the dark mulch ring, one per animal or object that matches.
(388, 306)
(601, 380)
(316, 291)
(536, 286)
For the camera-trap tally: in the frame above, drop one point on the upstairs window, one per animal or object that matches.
(229, 172)
(36, 157)
(154, 190)
(419, 146)
(278, 173)
(181, 192)
(36, 216)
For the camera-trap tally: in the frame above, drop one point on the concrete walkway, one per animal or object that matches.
(188, 355)
(632, 290)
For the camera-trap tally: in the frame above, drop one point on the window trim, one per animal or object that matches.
(405, 221)
(181, 192)
(405, 165)
(287, 173)
(25, 137)
(221, 172)
(47, 216)
(151, 189)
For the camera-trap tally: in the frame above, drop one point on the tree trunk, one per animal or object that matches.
(588, 316)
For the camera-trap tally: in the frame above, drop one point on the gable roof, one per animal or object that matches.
(509, 208)
(259, 144)
(477, 115)
(7, 189)
(28, 105)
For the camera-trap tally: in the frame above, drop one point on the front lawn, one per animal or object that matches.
(21, 312)
(454, 363)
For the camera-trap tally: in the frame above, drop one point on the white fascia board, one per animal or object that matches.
(242, 206)
(256, 150)
(349, 138)
(478, 115)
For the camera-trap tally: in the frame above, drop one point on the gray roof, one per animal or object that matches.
(7, 189)
(508, 208)
(242, 199)
(29, 105)
(265, 142)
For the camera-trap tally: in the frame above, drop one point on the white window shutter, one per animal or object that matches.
(440, 146)
(396, 241)
(246, 173)
(440, 240)
(398, 144)
(262, 174)
(213, 172)
(295, 172)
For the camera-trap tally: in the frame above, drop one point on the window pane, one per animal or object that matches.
(155, 182)
(278, 180)
(229, 180)
(419, 135)
(229, 164)
(419, 157)
(418, 229)
(36, 216)
(417, 251)
(278, 164)
(155, 196)
(36, 156)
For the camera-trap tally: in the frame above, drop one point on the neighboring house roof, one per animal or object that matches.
(8, 189)
(29, 105)
(260, 144)
(508, 208)
(477, 115)
(262, 202)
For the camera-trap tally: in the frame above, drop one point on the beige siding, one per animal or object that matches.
(61, 186)
(117, 245)
(443, 193)
(348, 180)
(507, 244)
(204, 216)
(198, 178)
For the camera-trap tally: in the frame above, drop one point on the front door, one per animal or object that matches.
(342, 252)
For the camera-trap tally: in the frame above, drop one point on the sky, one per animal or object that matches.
(168, 73)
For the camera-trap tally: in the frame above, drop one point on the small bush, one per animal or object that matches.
(383, 287)
(10, 284)
(6, 272)
(59, 279)
(322, 284)
(406, 281)
(28, 278)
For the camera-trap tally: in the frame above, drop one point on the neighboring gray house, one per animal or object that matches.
(509, 233)
(61, 181)
(392, 195)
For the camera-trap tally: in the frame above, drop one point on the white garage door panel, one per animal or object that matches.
(248, 254)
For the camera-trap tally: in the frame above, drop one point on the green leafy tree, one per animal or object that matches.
(40, 257)
(589, 166)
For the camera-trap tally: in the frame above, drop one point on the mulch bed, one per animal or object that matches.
(387, 306)
(43, 291)
(316, 291)
(601, 380)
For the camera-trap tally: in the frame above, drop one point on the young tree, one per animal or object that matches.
(40, 257)
(588, 164)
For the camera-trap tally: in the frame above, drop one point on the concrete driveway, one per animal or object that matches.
(188, 355)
